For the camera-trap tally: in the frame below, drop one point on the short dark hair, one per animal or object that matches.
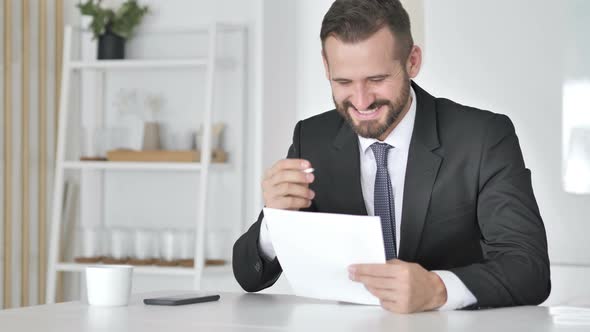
(356, 20)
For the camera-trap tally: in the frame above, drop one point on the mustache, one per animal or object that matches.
(376, 104)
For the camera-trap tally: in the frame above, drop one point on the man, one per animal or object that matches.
(461, 226)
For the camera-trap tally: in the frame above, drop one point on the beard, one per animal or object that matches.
(375, 128)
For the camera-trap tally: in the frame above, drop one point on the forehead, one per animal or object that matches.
(373, 55)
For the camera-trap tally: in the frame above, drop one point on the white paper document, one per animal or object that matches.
(315, 250)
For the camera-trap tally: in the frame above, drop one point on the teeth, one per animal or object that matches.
(368, 112)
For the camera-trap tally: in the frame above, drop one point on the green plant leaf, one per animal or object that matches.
(121, 22)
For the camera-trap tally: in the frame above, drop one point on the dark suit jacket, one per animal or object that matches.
(468, 202)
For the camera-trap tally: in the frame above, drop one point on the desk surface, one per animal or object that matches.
(263, 312)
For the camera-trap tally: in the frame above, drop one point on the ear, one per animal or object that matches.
(326, 66)
(414, 62)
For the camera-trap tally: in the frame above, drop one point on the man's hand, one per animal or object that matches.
(400, 286)
(286, 186)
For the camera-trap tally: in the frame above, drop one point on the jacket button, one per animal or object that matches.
(258, 266)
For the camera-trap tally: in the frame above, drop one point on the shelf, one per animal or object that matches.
(150, 64)
(190, 29)
(139, 166)
(152, 269)
(204, 66)
(138, 64)
(161, 270)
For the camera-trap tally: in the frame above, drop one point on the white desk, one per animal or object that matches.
(261, 312)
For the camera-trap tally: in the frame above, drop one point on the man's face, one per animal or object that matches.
(370, 87)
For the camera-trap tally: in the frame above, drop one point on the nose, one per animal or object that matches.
(362, 98)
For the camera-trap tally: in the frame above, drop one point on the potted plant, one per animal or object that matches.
(112, 27)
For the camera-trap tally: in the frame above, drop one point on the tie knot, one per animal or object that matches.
(380, 151)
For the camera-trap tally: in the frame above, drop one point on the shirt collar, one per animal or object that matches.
(401, 135)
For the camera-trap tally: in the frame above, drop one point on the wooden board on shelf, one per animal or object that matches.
(218, 156)
(153, 155)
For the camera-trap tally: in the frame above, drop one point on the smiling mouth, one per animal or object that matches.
(368, 114)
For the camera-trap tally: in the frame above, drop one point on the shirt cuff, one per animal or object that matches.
(458, 295)
(265, 247)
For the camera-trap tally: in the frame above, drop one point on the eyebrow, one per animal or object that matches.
(369, 78)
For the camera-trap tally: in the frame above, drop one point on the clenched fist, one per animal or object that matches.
(286, 185)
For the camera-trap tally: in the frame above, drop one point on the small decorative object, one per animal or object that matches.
(151, 129)
(89, 245)
(112, 27)
(125, 102)
(151, 136)
(169, 248)
(147, 133)
(144, 247)
(218, 152)
(186, 238)
(154, 104)
(120, 246)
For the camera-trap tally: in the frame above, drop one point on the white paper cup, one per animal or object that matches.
(108, 285)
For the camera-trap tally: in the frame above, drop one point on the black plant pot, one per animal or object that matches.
(111, 46)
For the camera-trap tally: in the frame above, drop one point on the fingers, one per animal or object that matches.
(397, 307)
(376, 282)
(290, 203)
(295, 190)
(383, 294)
(401, 287)
(287, 164)
(371, 270)
(388, 305)
(293, 176)
(286, 186)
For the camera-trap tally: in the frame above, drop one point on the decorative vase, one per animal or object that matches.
(111, 46)
(151, 136)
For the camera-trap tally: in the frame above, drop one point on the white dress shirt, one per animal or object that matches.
(458, 296)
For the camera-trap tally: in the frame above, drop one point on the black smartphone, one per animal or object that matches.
(181, 299)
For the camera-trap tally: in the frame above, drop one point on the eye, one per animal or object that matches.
(343, 82)
(377, 79)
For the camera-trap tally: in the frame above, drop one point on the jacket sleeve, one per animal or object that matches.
(515, 268)
(251, 270)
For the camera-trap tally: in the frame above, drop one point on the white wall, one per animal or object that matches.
(508, 56)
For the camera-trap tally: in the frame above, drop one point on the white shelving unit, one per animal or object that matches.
(203, 168)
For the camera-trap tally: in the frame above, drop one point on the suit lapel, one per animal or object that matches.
(346, 175)
(421, 172)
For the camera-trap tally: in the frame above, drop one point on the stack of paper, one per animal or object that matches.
(315, 250)
(567, 315)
